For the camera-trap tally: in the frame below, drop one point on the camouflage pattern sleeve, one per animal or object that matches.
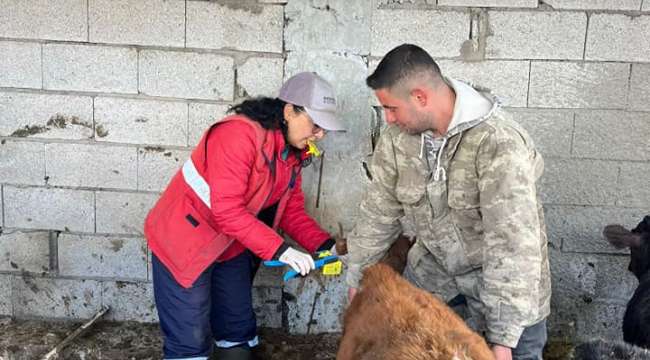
(508, 168)
(378, 222)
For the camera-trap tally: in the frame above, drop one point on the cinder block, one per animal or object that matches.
(646, 5)
(186, 75)
(46, 116)
(48, 20)
(347, 73)
(536, 35)
(141, 121)
(22, 162)
(508, 80)
(203, 116)
(267, 304)
(247, 27)
(260, 77)
(90, 68)
(20, 64)
(640, 87)
(343, 181)
(573, 275)
(55, 209)
(617, 37)
(615, 281)
(6, 307)
(340, 25)
(601, 319)
(139, 22)
(102, 256)
(579, 228)
(595, 4)
(404, 4)
(614, 135)
(490, 3)
(633, 189)
(55, 298)
(25, 251)
(410, 26)
(579, 280)
(91, 165)
(149, 265)
(130, 301)
(551, 130)
(123, 213)
(579, 182)
(578, 85)
(269, 277)
(310, 308)
(564, 315)
(157, 166)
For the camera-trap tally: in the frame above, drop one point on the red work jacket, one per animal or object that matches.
(208, 211)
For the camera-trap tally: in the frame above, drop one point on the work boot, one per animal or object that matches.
(233, 353)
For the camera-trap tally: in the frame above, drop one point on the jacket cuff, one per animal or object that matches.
(328, 244)
(280, 250)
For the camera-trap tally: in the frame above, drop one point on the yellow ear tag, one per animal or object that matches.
(333, 268)
(313, 150)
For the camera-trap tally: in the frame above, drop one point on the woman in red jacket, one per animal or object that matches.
(219, 214)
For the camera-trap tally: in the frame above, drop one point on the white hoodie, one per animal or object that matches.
(471, 108)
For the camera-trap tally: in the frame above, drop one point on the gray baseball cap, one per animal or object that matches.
(316, 95)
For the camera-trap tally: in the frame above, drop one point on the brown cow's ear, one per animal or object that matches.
(620, 237)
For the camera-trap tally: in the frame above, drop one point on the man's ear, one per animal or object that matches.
(420, 97)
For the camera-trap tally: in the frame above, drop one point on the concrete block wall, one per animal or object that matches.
(103, 102)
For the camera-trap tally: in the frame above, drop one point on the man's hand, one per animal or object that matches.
(501, 352)
(351, 292)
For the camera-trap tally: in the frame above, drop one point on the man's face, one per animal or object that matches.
(405, 113)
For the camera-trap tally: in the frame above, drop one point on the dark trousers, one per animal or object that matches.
(531, 343)
(218, 308)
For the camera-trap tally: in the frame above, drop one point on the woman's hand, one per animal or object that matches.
(299, 261)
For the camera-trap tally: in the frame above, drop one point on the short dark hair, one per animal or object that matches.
(401, 63)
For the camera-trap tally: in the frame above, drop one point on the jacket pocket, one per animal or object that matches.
(417, 212)
(447, 247)
(468, 220)
(182, 232)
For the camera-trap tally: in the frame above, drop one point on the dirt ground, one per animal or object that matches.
(31, 339)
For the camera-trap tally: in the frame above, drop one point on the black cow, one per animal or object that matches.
(636, 323)
(610, 350)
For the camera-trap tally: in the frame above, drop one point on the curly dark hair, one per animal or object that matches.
(269, 112)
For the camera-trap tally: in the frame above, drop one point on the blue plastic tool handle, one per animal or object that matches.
(322, 261)
(274, 263)
(319, 264)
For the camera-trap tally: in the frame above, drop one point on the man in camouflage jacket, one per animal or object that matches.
(458, 168)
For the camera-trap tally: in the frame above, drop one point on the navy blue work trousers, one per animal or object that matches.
(216, 310)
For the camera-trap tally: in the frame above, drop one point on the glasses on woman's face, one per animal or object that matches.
(317, 129)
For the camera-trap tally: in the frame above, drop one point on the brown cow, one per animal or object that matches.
(391, 319)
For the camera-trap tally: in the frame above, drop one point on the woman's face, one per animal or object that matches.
(301, 128)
